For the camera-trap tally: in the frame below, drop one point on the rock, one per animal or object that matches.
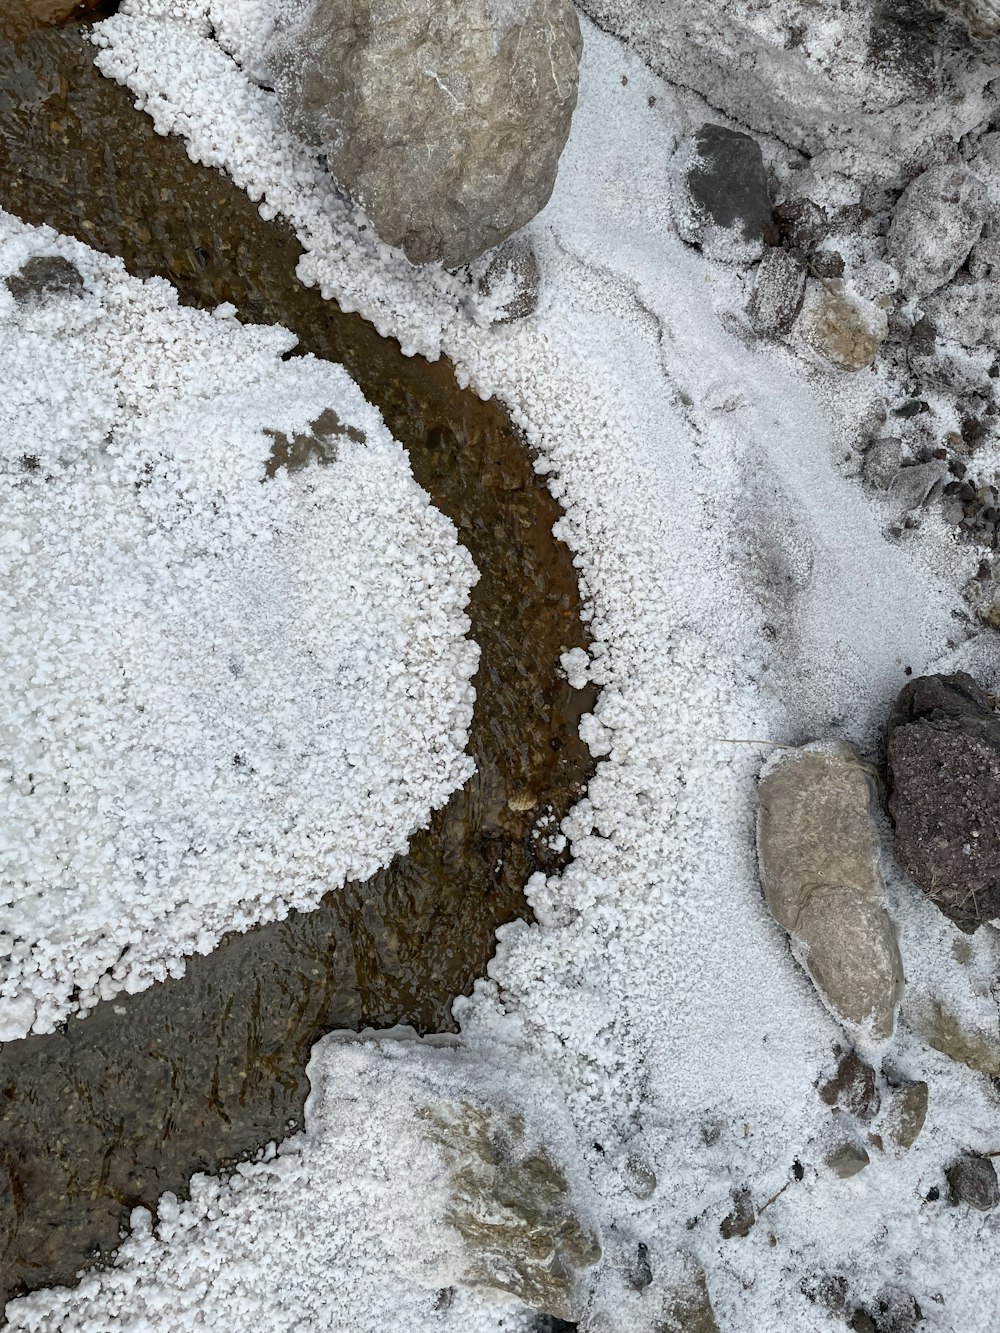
(966, 312)
(845, 329)
(725, 206)
(912, 486)
(984, 261)
(640, 1272)
(905, 1114)
(936, 223)
(847, 1160)
(819, 864)
(511, 1204)
(941, 1029)
(981, 16)
(510, 282)
(883, 459)
(688, 1308)
(944, 795)
(444, 122)
(852, 1088)
(973, 1180)
(44, 277)
(740, 1221)
(777, 293)
(639, 1176)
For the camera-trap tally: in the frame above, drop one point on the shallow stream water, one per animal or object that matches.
(194, 1074)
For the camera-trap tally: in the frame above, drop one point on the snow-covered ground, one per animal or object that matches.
(743, 590)
(225, 693)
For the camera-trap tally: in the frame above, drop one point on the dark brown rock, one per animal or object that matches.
(43, 277)
(944, 783)
(852, 1088)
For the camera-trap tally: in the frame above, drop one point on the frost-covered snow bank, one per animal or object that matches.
(386, 1121)
(225, 692)
(742, 587)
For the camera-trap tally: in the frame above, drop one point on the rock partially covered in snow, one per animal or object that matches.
(819, 865)
(905, 1115)
(777, 293)
(508, 285)
(944, 777)
(844, 328)
(725, 206)
(973, 1181)
(968, 312)
(444, 122)
(936, 223)
(981, 16)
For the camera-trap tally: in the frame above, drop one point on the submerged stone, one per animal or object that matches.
(819, 864)
(444, 122)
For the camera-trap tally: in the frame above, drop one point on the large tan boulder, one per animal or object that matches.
(819, 866)
(445, 122)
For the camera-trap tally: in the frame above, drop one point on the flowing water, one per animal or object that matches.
(194, 1074)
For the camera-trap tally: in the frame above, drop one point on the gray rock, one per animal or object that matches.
(44, 277)
(444, 122)
(944, 795)
(725, 206)
(973, 1180)
(777, 293)
(510, 282)
(844, 328)
(847, 1159)
(906, 1111)
(883, 459)
(912, 486)
(936, 223)
(819, 864)
(967, 312)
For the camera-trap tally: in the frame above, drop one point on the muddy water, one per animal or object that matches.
(196, 1073)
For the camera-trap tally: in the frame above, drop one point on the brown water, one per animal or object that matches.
(196, 1073)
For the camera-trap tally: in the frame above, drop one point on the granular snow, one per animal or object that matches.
(685, 1041)
(226, 693)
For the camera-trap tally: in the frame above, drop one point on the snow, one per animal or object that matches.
(744, 591)
(225, 693)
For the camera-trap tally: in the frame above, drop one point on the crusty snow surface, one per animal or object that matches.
(743, 589)
(224, 694)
